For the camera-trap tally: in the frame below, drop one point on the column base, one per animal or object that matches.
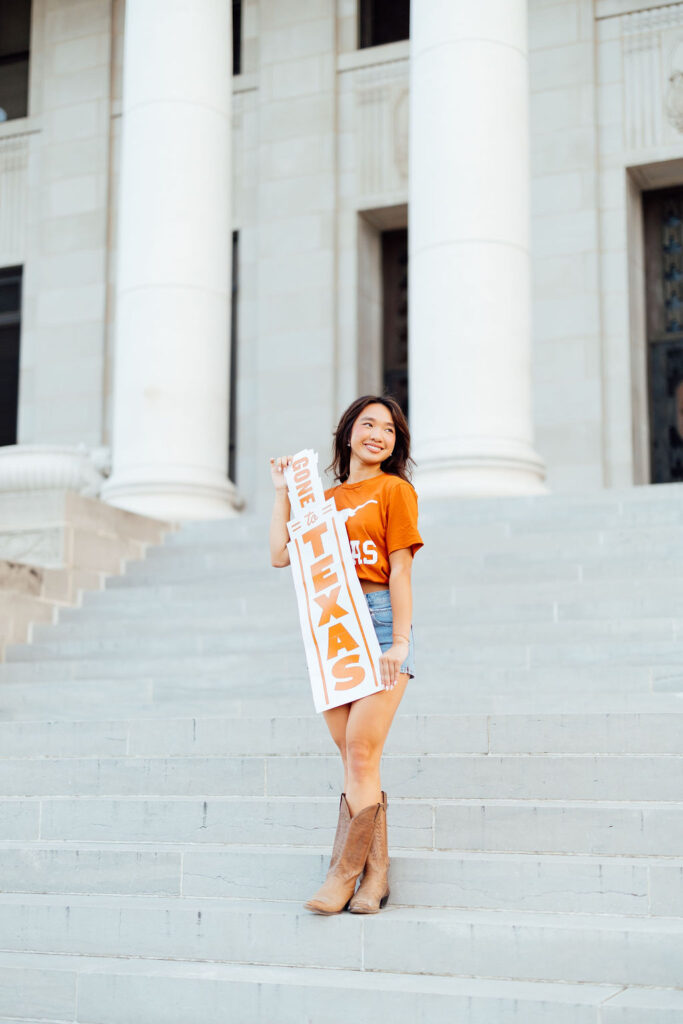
(174, 500)
(481, 472)
(45, 467)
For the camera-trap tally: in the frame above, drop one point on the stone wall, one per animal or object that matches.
(67, 228)
(320, 134)
(565, 245)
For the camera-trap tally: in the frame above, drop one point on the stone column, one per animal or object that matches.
(470, 386)
(170, 409)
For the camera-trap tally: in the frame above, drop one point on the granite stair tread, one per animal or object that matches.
(89, 986)
(532, 946)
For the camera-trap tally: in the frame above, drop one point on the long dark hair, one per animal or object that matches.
(399, 462)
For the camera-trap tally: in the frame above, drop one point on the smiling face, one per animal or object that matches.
(373, 435)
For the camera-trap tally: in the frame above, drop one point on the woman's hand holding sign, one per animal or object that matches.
(391, 661)
(277, 471)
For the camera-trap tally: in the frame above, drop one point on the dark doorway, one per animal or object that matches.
(383, 21)
(232, 423)
(395, 315)
(10, 329)
(663, 221)
(15, 36)
(236, 37)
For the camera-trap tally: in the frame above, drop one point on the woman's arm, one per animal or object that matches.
(401, 592)
(279, 555)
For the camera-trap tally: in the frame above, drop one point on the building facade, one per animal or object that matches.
(206, 249)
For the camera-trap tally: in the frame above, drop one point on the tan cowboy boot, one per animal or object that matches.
(337, 889)
(340, 835)
(373, 891)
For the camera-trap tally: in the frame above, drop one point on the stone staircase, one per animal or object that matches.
(168, 798)
(55, 544)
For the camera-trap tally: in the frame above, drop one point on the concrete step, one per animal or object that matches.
(659, 520)
(559, 827)
(633, 504)
(482, 526)
(502, 733)
(644, 540)
(660, 503)
(432, 631)
(85, 699)
(538, 777)
(274, 666)
(205, 546)
(463, 547)
(181, 548)
(533, 946)
(266, 595)
(609, 828)
(480, 777)
(62, 699)
(460, 611)
(112, 990)
(510, 567)
(210, 677)
(431, 594)
(198, 687)
(569, 884)
(284, 653)
(91, 699)
(482, 520)
(539, 563)
(208, 617)
(518, 645)
(185, 643)
(447, 879)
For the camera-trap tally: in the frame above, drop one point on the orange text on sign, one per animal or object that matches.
(302, 481)
(344, 665)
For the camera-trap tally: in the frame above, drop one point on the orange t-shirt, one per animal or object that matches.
(385, 520)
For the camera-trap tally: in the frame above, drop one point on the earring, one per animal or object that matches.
(348, 444)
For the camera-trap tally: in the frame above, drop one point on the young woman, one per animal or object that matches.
(371, 461)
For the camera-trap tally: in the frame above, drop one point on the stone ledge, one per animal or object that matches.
(54, 545)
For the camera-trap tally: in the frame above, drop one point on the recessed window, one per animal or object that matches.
(395, 315)
(383, 21)
(10, 327)
(236, 37)
(15, 34)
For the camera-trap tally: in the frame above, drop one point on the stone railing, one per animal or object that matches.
(55, 544)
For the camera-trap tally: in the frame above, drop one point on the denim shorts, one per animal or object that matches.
(379, 603)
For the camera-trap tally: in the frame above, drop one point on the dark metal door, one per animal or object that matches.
(10, 328)
(395, 315)
(663, 213)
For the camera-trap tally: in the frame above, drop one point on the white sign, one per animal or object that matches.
(342, 650)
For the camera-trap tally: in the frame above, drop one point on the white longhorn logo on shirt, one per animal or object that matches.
(348, 512)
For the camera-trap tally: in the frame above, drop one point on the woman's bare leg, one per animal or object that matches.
(367, 728)
(336, 720)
